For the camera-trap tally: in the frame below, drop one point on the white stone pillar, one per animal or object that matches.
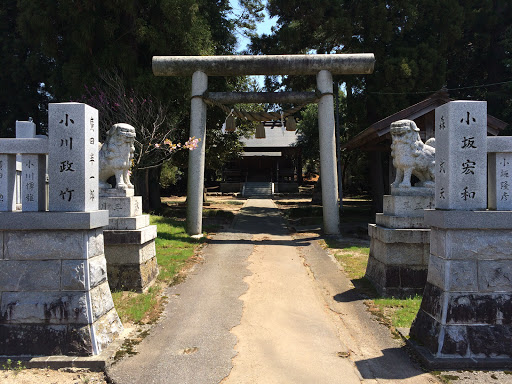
(328, 172)
(73, 157)
(196, 157)
(33, 172)
(7, 182)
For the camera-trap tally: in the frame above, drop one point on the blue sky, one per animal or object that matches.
(262, 28)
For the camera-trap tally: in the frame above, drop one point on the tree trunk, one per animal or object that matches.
(154, 188)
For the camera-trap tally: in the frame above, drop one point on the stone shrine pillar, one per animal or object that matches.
(399, 247)
(54, 294)
(129, 239)
(196, 158)
(328, 170)
(400, 243)
(465, 314)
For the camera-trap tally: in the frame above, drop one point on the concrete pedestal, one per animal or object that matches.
(54, 293)
(129, 242)
(399, 247)
(466, 312)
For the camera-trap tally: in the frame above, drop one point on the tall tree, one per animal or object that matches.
(419, 47)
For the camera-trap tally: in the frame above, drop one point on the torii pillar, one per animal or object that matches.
(323, 66)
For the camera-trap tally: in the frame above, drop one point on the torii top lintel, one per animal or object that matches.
(239, 65)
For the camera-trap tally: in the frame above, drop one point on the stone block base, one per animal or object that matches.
(396, 280)
(71, 339)
(466, 311)
(472, 328)
(398, 261)
(136, 277)
(54, 293)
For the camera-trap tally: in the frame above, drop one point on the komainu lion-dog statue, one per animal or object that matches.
(116, 155)
(411, 156)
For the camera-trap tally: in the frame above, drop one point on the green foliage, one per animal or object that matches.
(134, 307)
(419, 47)
(11, 366)
(402, 311)
(173, 248)
(169, 175)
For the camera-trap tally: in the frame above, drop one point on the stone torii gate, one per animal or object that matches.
(323, 66)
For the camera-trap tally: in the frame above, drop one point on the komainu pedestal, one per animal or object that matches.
(466, 312)
(399, 247)
(54, 293)
(129, 241)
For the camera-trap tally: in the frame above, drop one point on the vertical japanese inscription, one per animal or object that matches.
(503, 181)
(461, 155)
(73, 140)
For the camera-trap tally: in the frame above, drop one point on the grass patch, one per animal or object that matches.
(395, 312)
(401, 312)
(173, 249)
(133, 307)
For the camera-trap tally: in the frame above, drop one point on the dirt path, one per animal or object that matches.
(286, 334)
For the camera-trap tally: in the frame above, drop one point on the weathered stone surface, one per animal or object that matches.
(44, 308)
(400, 222)
(500, 181)
(463, 275)
(29, 275)
(479, 309)
(122, 206)
(425, 329)
(95, 243)
(128, 223)
(263, 65)
(490, 341)
(478, 244)
(495, 275)
(34, 339)
(468, 220)
(135, 277)
(7, 181)
(436, 274)
(406, 254)
(107, 329)
(33, 182)
(73, 157)
(24, 145)
(390, 235)
(129, 254)
(73, 275)
(97, 270)
(499, 144)
(116, 156)
(101, 300)
(52, 220)
(455, 341)
(432, 303)
(437, 242)
(457, 275)
(116, 192)
(2, 245)
(407, 206)
(461, 155)
(137, 236)
(44, 245)
(396, 280)
(411, 156)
